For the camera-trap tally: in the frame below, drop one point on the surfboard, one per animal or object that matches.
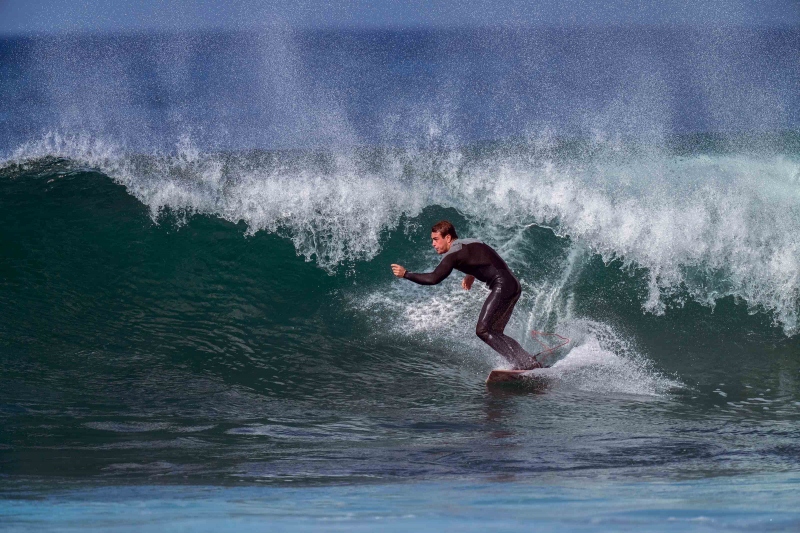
(510, 377)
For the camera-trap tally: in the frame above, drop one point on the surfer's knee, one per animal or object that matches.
(482, 331)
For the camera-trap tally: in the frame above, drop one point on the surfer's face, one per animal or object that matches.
(441, 244)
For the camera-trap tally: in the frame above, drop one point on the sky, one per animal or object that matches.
(20, 17)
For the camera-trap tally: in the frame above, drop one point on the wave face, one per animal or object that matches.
(197, 231)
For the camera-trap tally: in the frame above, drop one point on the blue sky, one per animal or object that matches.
(37, 16)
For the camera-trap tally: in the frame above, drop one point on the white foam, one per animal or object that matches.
(592, 367)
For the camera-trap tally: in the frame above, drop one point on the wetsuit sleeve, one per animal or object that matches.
(432, 278)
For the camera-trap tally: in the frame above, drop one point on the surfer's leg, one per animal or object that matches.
(492, 321)
(501, 319)
(483, 328)
(524, 359)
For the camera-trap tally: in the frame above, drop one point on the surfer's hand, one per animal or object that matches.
(398, 270)
(467, 282)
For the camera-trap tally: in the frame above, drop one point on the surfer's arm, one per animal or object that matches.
(432, 278)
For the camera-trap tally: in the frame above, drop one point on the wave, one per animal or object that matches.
(701, 225)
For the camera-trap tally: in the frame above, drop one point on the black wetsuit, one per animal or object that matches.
(475, 258)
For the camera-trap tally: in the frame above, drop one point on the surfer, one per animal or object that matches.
(478, 260)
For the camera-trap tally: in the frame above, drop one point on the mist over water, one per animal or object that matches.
(197, 230)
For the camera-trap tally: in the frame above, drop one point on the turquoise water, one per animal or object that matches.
(714, 504)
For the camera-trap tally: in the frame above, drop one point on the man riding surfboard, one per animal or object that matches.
(478, 260)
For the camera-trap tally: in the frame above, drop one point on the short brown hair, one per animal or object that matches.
(444, 227)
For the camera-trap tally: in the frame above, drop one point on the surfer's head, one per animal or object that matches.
(443, 233)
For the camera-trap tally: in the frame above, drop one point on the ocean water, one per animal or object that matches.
(199, 327)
